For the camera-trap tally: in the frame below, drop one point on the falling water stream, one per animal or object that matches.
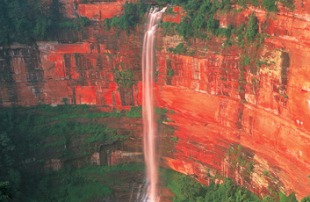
(149, 124)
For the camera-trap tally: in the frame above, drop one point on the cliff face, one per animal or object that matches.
(253, 127)
(78, 69)
(248, 124)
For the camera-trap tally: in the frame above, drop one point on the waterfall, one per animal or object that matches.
(149, 124)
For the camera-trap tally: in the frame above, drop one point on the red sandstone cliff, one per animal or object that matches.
(268, 115)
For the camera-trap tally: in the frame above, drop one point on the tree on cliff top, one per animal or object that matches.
(133, 13)
(28, 21)
(252, 28)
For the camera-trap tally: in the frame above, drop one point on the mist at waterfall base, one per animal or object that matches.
(150, 190)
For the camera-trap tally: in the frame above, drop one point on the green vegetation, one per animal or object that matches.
(187, 189)
(252, 28)
(242, 3)
(162, 114)
(288, 3)
(27, 21)
(306, 199)
(169, 28)
(135, 112)
(5, 194)
(133, 13)
(245, 60)
(239, 157)
(31, 135)
(169, 10)
(270, 5)
(170, 72)
(179, 49)
(75, 24)
(124, 77)
(200, 20)
(82, 184)
(174, 139)
(241, 160)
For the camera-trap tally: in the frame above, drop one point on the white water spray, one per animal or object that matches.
(149, 124)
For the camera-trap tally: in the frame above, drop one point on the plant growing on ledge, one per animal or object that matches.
(76, 24)
(124, 77)
(179, 49)
(133, 13)
(270, 5)
(252, 28)
(135, 112)
(170, 72)
(241, 159)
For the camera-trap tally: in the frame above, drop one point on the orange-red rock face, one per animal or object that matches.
(101, 11)
(272, 124)
(268, 115)
(74, 73)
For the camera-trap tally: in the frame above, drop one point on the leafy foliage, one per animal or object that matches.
(200, 18)
(306, 199)
(135, 112)
(252, 28)
(289, 198)
(124, 77)
(270, 5)
(242, 3)
(133, 13)
(169, 28)
(27, 21)
(76, 23)
(179, 49)
(27, 134)
(288, 3)
(5, 194)
(186, 189)
(83, 184)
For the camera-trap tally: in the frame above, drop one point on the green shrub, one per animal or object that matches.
(169, 28)
(270, 5)
(289, 198)
(133, 13)
(179, 49)
(306, 199)
(245, 60)
(124, 77)
(288, 3)
(28, 21)
(252, 28)
(76, 23)
(135, 112)
(242, 3)
(254, 2)
(29, 134)
(170, 72)
(187, 189)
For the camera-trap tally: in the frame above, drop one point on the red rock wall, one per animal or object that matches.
(268, 115)
(270, 119)
(75, 73)
(101, 11)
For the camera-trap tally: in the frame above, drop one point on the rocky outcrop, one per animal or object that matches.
(250, 123)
